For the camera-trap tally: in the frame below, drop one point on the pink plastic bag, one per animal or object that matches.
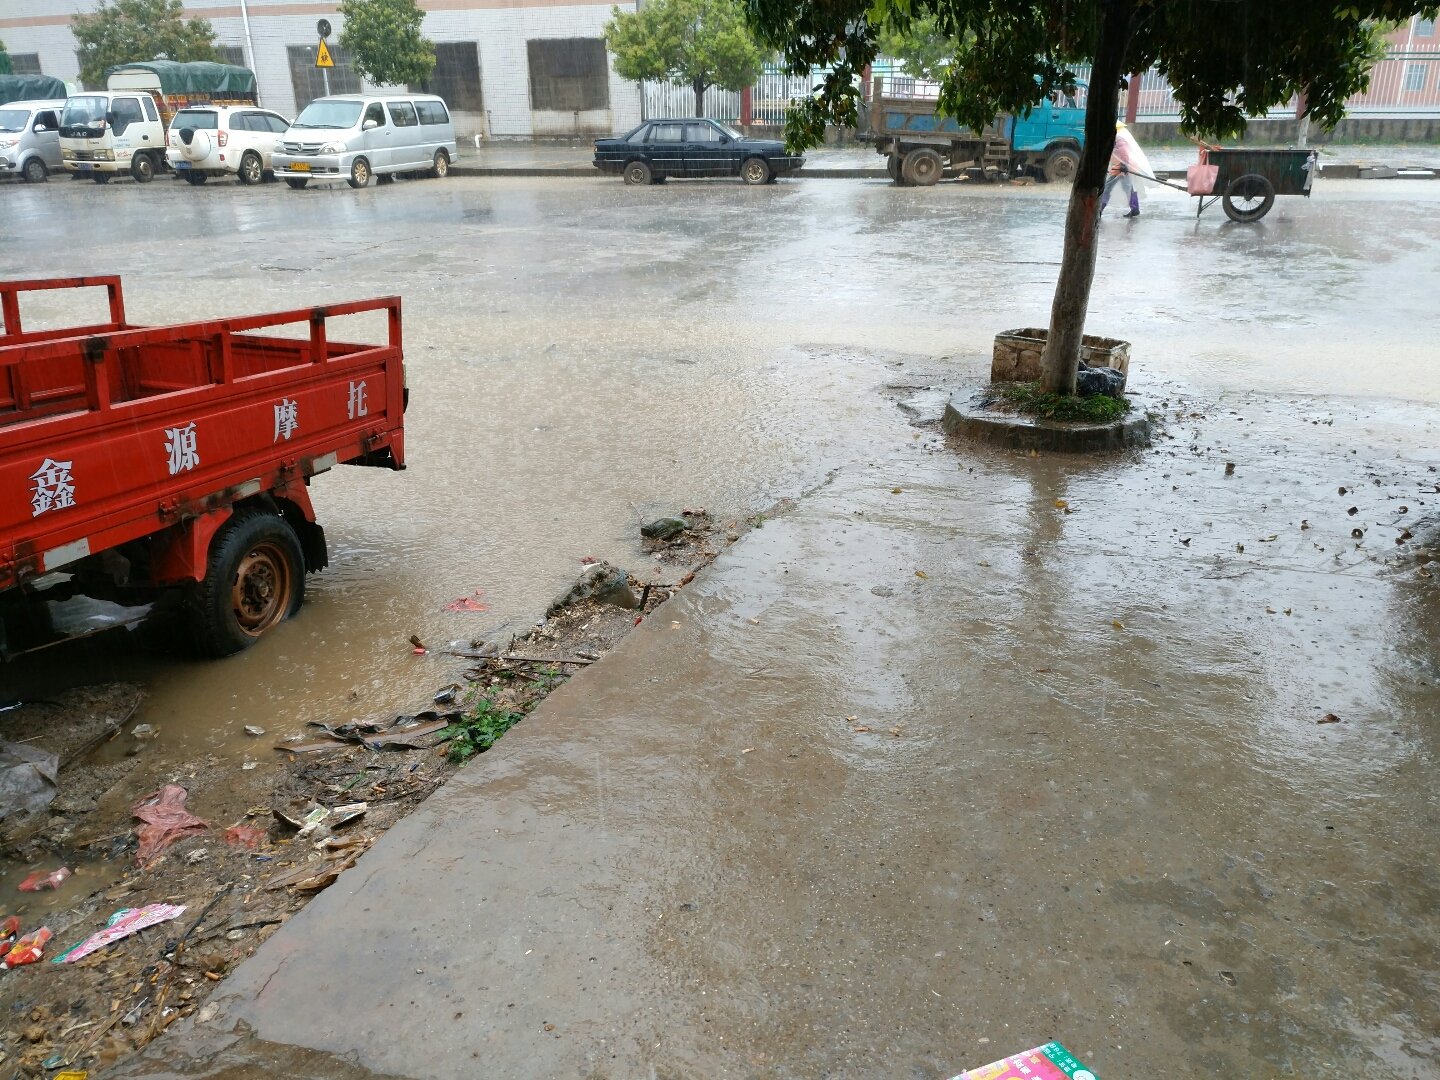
(1200, 179)
(39, 880)
(165, 821)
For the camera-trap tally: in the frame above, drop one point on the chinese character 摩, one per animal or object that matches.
(286, 419)
(180, 445)
(54, 486)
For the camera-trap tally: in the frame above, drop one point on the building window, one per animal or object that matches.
(25, 63)
(568, 74)
(456, 77)
(1414, 76)
(230, 54)
(1424, 27)
(309, 81)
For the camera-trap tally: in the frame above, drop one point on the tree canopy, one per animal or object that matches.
(384, 41)
(1225, 61)
(4, 60)
(127, 31)
(694, 43)
(925, 52)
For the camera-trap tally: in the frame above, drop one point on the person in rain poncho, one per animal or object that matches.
(1127, 161)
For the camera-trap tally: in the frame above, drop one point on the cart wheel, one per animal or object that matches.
(254, 580)
(923, 167)
(1248, 197)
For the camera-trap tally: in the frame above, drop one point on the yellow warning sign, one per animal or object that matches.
(323, 57)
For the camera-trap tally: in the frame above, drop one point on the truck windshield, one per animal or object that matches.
(84, 112)
(329, 114)
(12, 120)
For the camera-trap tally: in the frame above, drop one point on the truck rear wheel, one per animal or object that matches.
(923, 167)
(1060, 166)
(254, 580)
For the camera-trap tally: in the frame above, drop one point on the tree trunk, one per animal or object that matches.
(1061, 358)
(699, 98)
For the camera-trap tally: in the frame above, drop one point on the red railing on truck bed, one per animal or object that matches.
(109, 433)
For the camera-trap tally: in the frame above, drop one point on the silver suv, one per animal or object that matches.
(215, 140)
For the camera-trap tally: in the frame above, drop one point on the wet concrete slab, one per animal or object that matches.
(971, 751)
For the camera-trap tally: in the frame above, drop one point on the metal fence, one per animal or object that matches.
(1405, 83)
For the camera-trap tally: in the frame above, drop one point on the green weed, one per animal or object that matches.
(1096, 409)
(479, 729)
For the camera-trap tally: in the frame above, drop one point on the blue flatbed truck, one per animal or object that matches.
(920, 145)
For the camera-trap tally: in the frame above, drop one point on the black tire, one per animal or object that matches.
(1248, 198)
(359, 172)
(142, 168)
(296, 182)
(384, 178)
(638, 173)
(1060, 166)
(255, 580)
(35, 171)
(755, 170)
(441, 169)
(252, 168)
(193, 178)
(101, 177)
(892, 166)
(923, 167)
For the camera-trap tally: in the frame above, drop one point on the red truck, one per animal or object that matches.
(172, 463)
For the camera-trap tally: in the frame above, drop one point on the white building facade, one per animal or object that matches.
(508, 68)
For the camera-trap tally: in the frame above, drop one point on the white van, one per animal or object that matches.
(103, 133)
(353, 137)
(30, 139)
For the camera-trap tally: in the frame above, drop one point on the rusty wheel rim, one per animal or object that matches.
(262, 590)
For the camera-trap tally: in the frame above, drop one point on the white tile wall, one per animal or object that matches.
(500, 31)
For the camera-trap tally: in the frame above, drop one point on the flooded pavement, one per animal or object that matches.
(969, 752)
(584, 356)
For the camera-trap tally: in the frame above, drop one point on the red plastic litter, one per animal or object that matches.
(39, 880)
(246, 836)
(165, 820)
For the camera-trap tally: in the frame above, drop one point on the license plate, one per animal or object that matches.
(299, 166)
(84, 166)
(183, 165)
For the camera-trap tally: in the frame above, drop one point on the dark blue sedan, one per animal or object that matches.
(659, 149)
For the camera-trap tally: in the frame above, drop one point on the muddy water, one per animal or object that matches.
(583, 357)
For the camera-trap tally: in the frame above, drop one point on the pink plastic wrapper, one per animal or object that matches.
(1049, 1062)
(122, 924)
(39, 881)
(165, 821)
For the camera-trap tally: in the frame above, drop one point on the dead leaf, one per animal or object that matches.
(1240, 547)
(1229, 468)
(748, 750)
(1117, 624)
(1269, 611)
(1186, 541)
(1353, 511)
(1328, 718)
(1269, 539)
(897, 732)
(1061, 504)
(922, 575)
(896, 491)
(861, 730)
(1304, 525)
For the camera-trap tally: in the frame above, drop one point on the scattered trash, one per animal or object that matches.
(197, 856)
(446, 695)
(468, 603)
(72, 1074)
(165, 820)
(9, 931)
(1228, 978)
(1229, 468)
(404, 733)
(28, 949)
(663, 528)
(420, 649)
(922, 575)
(306, 822)
(208, 1013)
(244, 836)
(1343, 491)
(897, 491)
(247, 766)
(1240, 548)
(1117, 624)
(343, 815)
(1357, 533)
(251, 729)
(122, 924)
(1328, 718)
(1353, 511)
(1049, 1062)
(312, 877)
(144, 732)
(40, 881)
(588, 560)
(27, 779)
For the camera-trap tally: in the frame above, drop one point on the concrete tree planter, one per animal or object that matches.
(1016, 356)
(985, 417)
